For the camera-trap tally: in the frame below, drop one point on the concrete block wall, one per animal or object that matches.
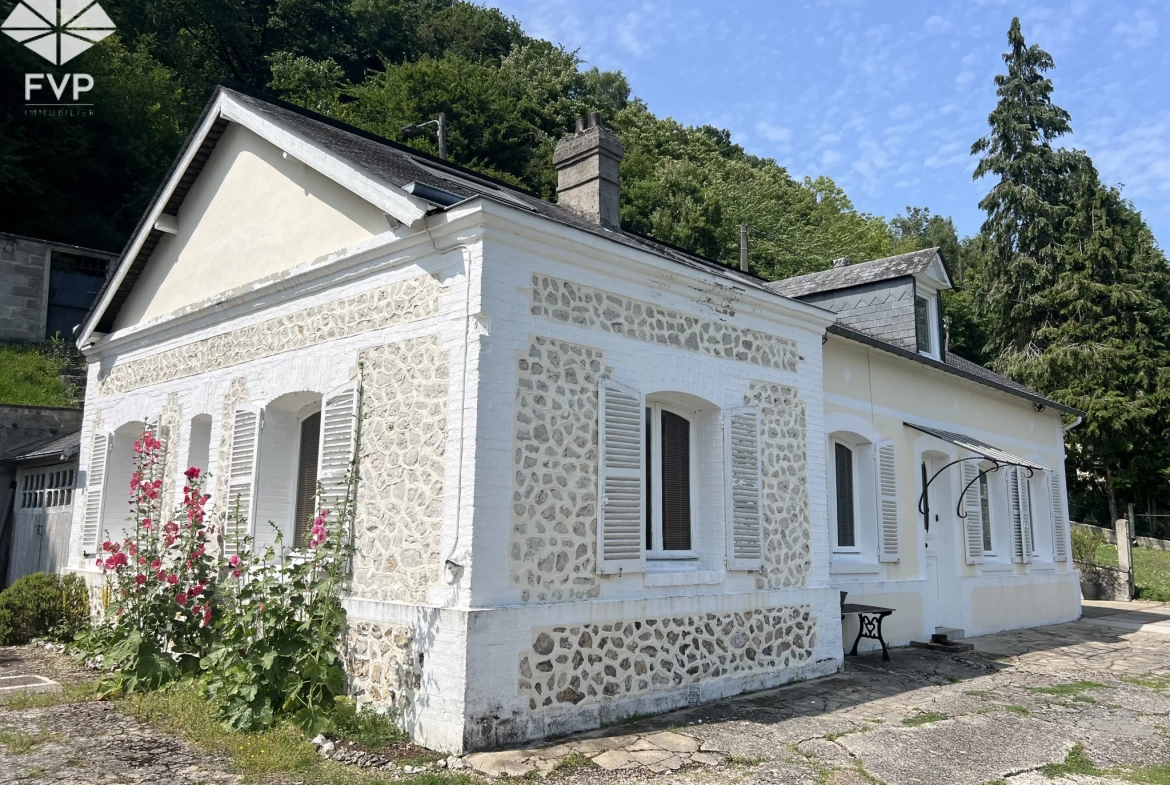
(24, 288)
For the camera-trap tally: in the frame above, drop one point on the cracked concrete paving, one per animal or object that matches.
(1021, 701)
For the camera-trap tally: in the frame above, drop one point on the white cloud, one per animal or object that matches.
(830, 158)
(773, 132)
(936, 25)
(1139, 32)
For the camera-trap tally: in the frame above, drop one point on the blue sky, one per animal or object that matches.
(886, 98)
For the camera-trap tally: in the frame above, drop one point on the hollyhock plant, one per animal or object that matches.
(146, 640)
(260, 628)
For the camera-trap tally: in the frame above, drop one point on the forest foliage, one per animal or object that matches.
(1064, 288)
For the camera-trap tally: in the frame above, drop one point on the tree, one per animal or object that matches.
(1024, 207)
(1073, 290)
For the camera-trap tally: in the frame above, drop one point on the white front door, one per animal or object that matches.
(942, 566)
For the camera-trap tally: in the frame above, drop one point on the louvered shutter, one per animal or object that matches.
(973, 509)
(95, 488)
(745, 531)
(163, 434)
(887, 476)
(621, 519)
(1059, 518)
(241, 473)
(1021, 529)
(338, 442)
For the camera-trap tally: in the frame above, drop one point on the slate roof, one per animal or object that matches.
(394, 163)
(856, 274)
(63, 447)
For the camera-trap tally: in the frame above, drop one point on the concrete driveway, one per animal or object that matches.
(1086, 702)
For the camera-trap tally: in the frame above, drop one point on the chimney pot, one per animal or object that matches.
(841, 261)
(587, 164)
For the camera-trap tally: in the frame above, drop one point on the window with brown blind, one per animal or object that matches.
(668, 481)
(846, 520)
(310, 442)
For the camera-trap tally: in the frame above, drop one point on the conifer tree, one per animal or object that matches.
(1024, 207)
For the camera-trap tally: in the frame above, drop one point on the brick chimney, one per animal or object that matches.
(587, 171)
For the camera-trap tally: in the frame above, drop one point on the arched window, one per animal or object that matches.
(199, 442)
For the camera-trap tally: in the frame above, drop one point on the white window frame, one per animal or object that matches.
(655, 468)
(866, 500)
(931, 298)
(989, 515)
(854, 549)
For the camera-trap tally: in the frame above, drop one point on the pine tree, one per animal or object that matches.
(1024, 208)
(1074, 291)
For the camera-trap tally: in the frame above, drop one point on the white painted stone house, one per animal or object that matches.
(593, 467)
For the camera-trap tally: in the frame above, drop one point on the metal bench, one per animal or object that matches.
(869, 624)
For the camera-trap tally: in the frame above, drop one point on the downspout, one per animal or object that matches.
(1066, 428)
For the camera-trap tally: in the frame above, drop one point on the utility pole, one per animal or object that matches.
(441, 126)
(744, 263)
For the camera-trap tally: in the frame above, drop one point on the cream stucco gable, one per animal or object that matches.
(251, 213)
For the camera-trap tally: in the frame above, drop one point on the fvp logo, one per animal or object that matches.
(58, 30)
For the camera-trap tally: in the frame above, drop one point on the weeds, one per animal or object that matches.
(1070, 690)
(924, 717)
(70, 692)
(572, 763)
(1076, 762)
(741, 760)
(1017, 709)
(18, 742)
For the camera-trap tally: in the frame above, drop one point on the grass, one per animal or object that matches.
(924, 717)
(572, 763)
(18, 742)
(283, 752)
(1071, 690)
(31, 376)
(1154, 775)
(741, 760)
(1151, 571)
(70, 692)
(1076, 762)
(979, 693)
(1017, 709)
(1151, 681)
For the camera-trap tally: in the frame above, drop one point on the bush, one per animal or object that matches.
(1086, 541)
(43, 606)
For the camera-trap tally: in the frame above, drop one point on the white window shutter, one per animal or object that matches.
(1025, 513)
(621, 492)
(155, 426)
(241, 470)
(337, 444)
(887, 481)
(1021, 534)
(95, 489)
(1059, 518)
(745, 531)
(973, 509)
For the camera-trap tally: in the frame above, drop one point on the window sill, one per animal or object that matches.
(844, 566)
(1042, 566)
(686, 577)
(672, 564)
(997, 567)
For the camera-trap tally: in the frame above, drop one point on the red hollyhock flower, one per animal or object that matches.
(140, 579)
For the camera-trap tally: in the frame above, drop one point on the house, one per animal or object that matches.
(595, 470)
(986, 547)
(37, 516)
(49, 286)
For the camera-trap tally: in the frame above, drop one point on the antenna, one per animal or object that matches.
(441, 126)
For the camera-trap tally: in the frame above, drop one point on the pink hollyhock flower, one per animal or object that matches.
(234, 560)
(172, 579)
(161, 575)
(100, 561)
(156, 564)
(181, 598)
(192, 473)
(235, 573)
(110, 563)
(107, 545)
(260, 607)
(140, 579)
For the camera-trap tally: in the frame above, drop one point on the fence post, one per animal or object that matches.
(1124, 529)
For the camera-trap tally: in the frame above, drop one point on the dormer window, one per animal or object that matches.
(925, 323)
